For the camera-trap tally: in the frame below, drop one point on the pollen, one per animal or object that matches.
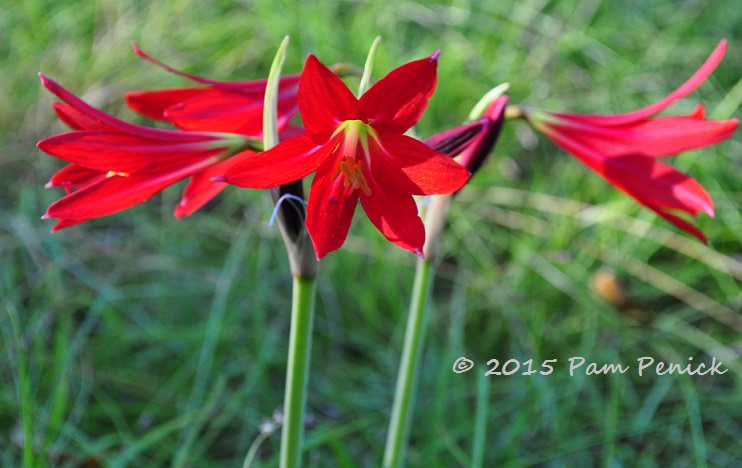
(114, 173)
(352, 172)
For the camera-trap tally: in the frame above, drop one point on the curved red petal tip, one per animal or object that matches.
(219, 179)
(51, 85)
(435, 56)
(45, 81)
(136, 49)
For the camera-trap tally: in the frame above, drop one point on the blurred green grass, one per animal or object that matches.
(139, 340)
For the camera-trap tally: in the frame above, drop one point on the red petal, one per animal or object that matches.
(396, 216)
(290, 161)
(686, 88)
(201, 189)
(651, 182)
(475, 155)
(324, 100)
(152, 104)
(72, 177)
(329, 210)
(122, 153)
(107, 196)
(212, 109)
(677, 221)
(77, 120)
(220, 111)
(116, 193)
(397, 101)
(65, 223)
(91, 113)
(225, 111)
(423, 170)
(455, 140)
(658, 137)
(247, 86)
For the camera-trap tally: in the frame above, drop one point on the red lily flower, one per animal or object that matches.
(359, 150)
(115, 164)
(624, 148)
(221, 106)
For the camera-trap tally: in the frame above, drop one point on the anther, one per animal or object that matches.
(352, 172)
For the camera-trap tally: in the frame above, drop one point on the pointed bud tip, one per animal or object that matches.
(137, 50)
(434, 57)
(50, 84)
(419, 252)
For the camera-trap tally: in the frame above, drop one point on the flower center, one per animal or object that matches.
(356, 157)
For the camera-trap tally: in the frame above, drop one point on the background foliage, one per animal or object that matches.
(140, 340)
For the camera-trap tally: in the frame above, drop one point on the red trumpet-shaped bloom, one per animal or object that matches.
(219, 106)
(360, 152)
(115, 165)
(624, 148)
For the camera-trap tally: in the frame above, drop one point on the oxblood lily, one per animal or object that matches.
(359, 150)
(221, 106)
(623, 148)
(115, 164)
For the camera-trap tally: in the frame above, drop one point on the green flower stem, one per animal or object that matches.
(407, 377)
(435, 220)
(297, 371)
(304, 269)
(404, 402)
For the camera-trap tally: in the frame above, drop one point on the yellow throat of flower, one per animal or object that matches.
(356, 155)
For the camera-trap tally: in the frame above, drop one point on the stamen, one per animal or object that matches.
(352, 172)
(114, 173)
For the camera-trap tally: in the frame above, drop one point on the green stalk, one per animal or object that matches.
(297, 371)
(399, 425)
(407, 377)
(304, 270)
(435, 221)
